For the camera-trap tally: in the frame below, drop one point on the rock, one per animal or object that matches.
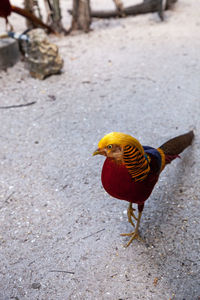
(9, 53)
(42, 57)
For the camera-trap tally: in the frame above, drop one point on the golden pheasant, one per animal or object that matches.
(131, 170)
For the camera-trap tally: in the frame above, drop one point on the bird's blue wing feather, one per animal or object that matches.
(154, 154)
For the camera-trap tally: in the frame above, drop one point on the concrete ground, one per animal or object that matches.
(60, 231)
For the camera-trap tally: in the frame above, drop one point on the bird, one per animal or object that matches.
(130, 170)
(6, 9)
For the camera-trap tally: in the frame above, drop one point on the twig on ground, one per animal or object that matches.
(92, 234)
(17, 106)
(63, 271)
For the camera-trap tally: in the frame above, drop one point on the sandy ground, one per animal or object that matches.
(60, 232)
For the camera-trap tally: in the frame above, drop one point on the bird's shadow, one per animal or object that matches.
(168, 196)
(166, 230)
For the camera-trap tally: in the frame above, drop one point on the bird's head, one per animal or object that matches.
(112, 145)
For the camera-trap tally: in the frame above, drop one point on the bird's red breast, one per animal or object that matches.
(118, 183)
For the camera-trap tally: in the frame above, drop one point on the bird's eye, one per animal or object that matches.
(109, 146)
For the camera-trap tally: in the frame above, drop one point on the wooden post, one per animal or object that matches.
(81, 16)
(120, 7)
(54, 17)
(29, 5)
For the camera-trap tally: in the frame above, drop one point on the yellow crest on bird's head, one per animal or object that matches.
(120, 139)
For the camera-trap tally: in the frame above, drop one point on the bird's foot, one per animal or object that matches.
(134, 236)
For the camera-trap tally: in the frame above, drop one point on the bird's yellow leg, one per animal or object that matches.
(130, 214)
(134, 235)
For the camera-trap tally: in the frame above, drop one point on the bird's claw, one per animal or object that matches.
(134, 236)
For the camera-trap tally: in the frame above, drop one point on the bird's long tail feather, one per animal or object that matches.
(176, 145)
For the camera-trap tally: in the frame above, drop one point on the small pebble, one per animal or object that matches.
(36, 285)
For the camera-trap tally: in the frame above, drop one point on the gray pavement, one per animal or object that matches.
(60, 231)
